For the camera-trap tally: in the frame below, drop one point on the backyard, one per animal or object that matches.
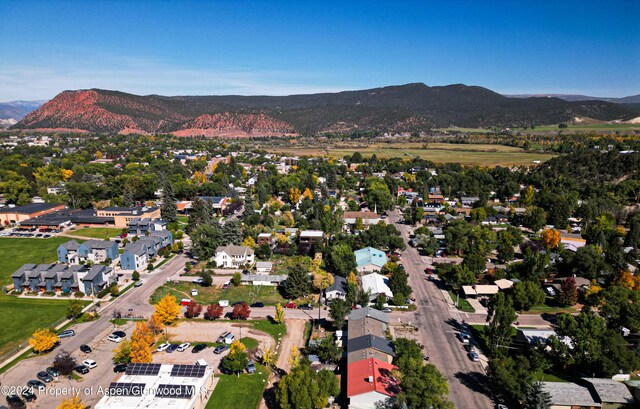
(244, 391)
(15, 252)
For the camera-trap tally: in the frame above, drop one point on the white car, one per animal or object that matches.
(114, 338)
(89, 363)
(163, 347)
(183, 347)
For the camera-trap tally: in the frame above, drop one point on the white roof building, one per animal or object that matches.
(159, 386)
(377, 284)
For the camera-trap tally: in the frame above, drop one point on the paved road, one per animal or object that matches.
(437, 332)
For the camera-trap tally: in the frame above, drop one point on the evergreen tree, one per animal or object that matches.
(298, 283)
(200, 214)
(169, 210)
(537, 398)
(500, 317)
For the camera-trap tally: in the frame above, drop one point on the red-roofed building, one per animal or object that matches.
(370, 381)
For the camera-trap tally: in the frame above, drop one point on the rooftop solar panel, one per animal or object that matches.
(175, 391)
(188, 371)
(125, 389)
(143, 369)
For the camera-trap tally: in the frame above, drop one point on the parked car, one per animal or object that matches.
(14, 401)
(44, 376)
(163, 347)
(198, 348)
(290, 304)
(221, 338)
(29, 396)
(474, 356)
(183, 347)
(470, 348)
(464, 337)
(114, 338)
(172, 348)
(89, 363)
(138, 283)
(226, 285)
(251, 367)
(198, 280)
(223, 303)
(257, 305)
(67, 333)
(386, 310)
(120, 334)
(194, 292)
(85, 348)
(220, 349)
(53, 372)
(81, 369)
(120, 368)
(305, 307)
(35, 384)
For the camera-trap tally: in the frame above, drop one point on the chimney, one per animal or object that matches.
(370, 379)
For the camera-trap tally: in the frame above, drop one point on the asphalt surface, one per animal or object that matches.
(438, 324)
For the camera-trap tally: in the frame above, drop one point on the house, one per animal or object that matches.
(568, 395)
(16, 214)
(218, 203)
(264, 238)
(376, 284)
(367, 320)
(123, 215)
(370, 346)
(98, 251)
(532, 337)
(61, 277)
(308, 238)
(140, 227)
(263, 279)
(135, 257)
(370, 381)
(435, 198)
(68, 252)
(370, 259)
(611, 394)
(368, 218)
(336, 290)
(233, 256)
(479, 290)
(264, 267)
(469, 200)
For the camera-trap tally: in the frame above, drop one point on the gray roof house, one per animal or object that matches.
(569, 395)
(370, 346)
(62, 277)
(338, 289)
(135, 256)
(611, 394)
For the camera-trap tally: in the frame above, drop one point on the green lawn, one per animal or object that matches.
(16, 252)
(244, 391)
(19, 318)
(463, 305)
(548, 309)
(250, 343)
(97, 232)
(277, 331)
(209, 295)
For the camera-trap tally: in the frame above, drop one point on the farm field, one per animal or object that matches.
(19, 318)
(465, 154)
(96, 232)
(14, 252)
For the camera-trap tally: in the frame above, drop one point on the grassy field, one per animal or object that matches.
(19, 318)
(16, 252)
(97, 232)
(466, 154)
(463, 305)
(588, 127)
(244, 391)
(209, 295)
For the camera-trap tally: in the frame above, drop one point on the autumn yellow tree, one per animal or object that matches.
(99, 155)
(281, 239)
(249, 242)
(352, 278)
(122, 354)
(199, 177)
(594, 288)
(155, 324)
(527, 196)
(287, 219)
(66, 174)
(167, 309)
(269, 357)
(294, 195)
(625, 279)
(141, 341)
(279, 314)
(551, 238)
(72, 403)
(307, 194)
(43, 340)
(294, 358)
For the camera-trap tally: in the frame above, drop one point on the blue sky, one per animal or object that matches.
(284, 47)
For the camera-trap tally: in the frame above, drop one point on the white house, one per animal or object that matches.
(338, 289)
(262, 279)
(377, 284)
(264, 267)
(233, 256)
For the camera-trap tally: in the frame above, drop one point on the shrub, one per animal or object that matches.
(135, 276)
(78, 294)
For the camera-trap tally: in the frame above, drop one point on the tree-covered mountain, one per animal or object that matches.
(404, 108)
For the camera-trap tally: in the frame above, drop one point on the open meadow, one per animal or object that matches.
(14, 252)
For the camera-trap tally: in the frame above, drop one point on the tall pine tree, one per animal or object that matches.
(169, 210)
(200, 214)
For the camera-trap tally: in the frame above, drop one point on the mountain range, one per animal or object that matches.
(394, 109)
(632, 99)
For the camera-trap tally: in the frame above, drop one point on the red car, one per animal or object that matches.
(123, 235)
(291, 304)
